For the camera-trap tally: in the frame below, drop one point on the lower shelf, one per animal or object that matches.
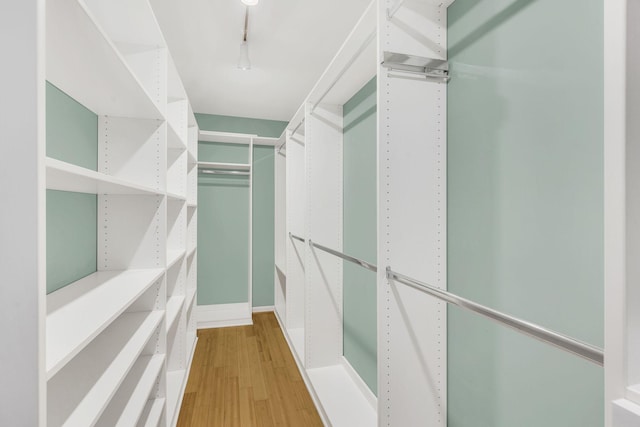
(81, 391)
(341, 399)
(175, 381)
(152, 413)
(127, 405)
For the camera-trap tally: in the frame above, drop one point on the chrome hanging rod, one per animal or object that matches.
(353, 59)
(224, 172)
(293, 236)
(586, 351)
(297, 127)
(429, 68)
(354, 260)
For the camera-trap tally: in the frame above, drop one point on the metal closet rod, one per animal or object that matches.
(297, 127)
(353, 59)
(354, 260)
(224, 172)
(563, 342)
(293, 236)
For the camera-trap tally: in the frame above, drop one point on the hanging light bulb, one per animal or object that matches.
(243, 61)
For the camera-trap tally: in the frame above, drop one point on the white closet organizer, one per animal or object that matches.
(119, 342)
(309, 287)
(213, 315)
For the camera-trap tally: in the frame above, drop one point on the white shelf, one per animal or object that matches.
(175, 381)
(174, 256)
(192, 205)
(173, 139)
(174, 306)
(192, 252)
(129, 402)
(191, 294)
(226, 137)
(281, 270)
(226, 166)
(152, 413)
(84, 63)
(67, 177)
(97, 372)
(297, 339)
(342, 400)
(174, 197)
(77, 313)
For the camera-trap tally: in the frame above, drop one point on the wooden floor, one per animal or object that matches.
(246, 376)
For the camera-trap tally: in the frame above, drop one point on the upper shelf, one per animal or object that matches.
(84, 63)
(79, 312)
(67, 177)
(227, 137)
(225, 166)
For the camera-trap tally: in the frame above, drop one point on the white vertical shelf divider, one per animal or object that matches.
(412, 229)
(128, 344)
(323, 211)
(295, 226)
(313, 180)
(280, 229)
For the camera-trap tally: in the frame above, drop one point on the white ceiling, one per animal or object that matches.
(291, 42)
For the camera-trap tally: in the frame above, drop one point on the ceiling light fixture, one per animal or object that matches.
(243, 60)
(250, 2)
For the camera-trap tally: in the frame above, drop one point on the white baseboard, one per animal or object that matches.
(357, 379)
(223, 315)
(263, 309)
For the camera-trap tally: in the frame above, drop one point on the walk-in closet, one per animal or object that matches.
(342, 213)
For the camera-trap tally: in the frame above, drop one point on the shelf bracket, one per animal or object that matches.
(421, 67)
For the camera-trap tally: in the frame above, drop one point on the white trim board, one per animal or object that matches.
(263, 309)
(223, 315)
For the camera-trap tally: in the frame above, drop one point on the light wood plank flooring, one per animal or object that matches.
(246, 376)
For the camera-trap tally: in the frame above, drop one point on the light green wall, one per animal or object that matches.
(72, 130)
(232, 251)
(72, 136)
(223, 239)
(263, 225)
(360, 231)
(525, 208)
(260, 127)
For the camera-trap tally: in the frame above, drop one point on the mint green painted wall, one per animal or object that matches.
(72, 130)
(231, 200)
(260, 127)
(263, 225)
(223, 239)
(71, 136)
(525, 208)
(360, 231)
(71, 237)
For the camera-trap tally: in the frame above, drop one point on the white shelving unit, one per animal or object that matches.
(118, 343)
(309, 206)
(217, 315)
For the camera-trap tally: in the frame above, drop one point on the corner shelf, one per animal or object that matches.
(67, 177)
(77, 313)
